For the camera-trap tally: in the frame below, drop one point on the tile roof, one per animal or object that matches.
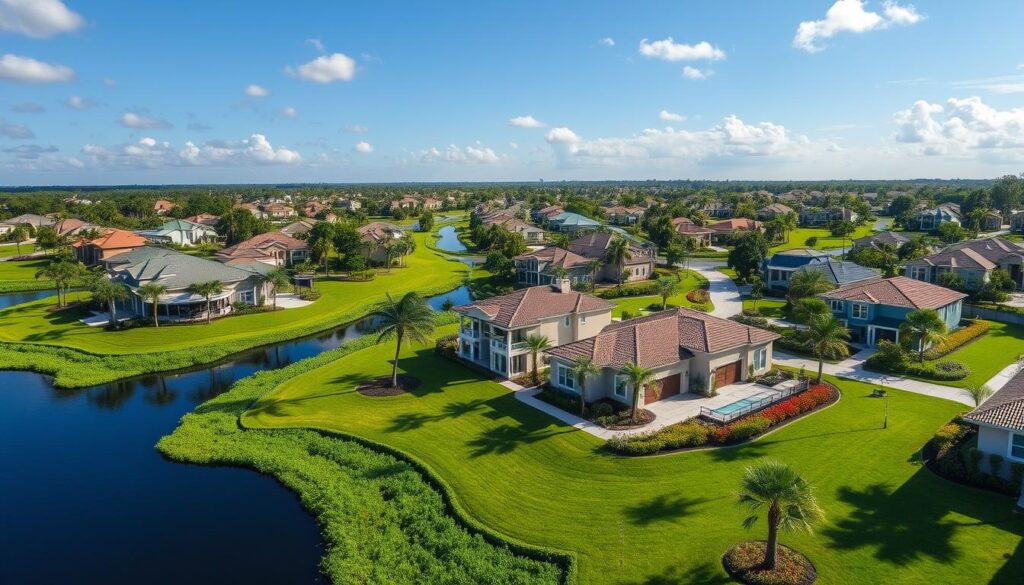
(984, 254)
(113, 239)
(204, 218)
(172, 269)
(379, 231)
(1003, 409)
(595, 246)
(529, 306)
(898, 291)
(264, 241)
(736, 223)
(555, 256)
(894, 238)
(662, 338)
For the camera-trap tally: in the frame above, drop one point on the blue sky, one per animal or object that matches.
(141, 92)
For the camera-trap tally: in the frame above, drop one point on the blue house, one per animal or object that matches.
(873, 310)
(777, 270)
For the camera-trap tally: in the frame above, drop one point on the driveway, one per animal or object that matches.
(725, 295)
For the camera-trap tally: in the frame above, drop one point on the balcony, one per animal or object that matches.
(470, 333)
(499, 345)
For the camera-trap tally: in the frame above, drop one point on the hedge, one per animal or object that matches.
(957, 339)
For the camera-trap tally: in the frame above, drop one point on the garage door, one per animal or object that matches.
(669, 386)
(727, 374)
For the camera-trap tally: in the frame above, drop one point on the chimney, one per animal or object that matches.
(563, 285)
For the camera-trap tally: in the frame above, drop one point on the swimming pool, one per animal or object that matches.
(752, 401)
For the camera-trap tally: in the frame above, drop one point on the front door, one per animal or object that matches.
(727, 374)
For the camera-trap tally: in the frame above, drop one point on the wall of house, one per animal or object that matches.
(993, 440)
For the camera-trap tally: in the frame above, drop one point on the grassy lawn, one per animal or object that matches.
(826, 241)
(649, 303)
(12, 250)
(21, 269)
(767, 307)
(989, 354)
(668, 519)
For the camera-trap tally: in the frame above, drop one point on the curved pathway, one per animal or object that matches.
(725, 295)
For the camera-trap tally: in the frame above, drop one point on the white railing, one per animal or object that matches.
(753, 406)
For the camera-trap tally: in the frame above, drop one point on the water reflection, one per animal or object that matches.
(9, 300)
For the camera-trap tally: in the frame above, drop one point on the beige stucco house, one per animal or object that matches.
(492, 332)
(688, 350)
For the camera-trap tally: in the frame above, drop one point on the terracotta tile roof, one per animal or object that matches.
(114, 239)
(734, 224)
(663, 338)
(68, 226)
(1003, 409)
(204, 218)
(378, 231)
(262, 242)
(898, 291)
(529, 306)
(555, 256)
(983, 254)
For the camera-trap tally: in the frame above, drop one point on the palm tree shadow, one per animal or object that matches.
(663, 508)
(506, 438)
(705, 574)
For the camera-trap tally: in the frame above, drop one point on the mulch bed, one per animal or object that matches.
(743, 563)
(382, 386)
(645, 417)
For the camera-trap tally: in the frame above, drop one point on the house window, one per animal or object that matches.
(760, 358)
(835, 305)
(245, 296)
(583, 319)
(565, 378)
(621, 382)
(567, 321)
(860, 311)
(1017, 446)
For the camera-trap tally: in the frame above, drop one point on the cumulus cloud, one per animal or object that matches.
(607, 41)
(363, 147)
(28, 108)
(143, 122)
(38, 19)
(669, 50)
(694, 73)
(289, 112)
(526, 122)
(326, 69)
(29, 151)
(962, 127)
(15, 131)
(561, 135)
(77, 102)
(472, 154)
(851, 16)
(256, 91)
(147, 152)
(355, 129)
(671, 116)
(28, 70)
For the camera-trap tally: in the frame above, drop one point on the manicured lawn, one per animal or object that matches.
(649, 303)
(767, 307)
(987, 355)
(668, 519)
(21, 269)
(729, 272)
(12, 250)
(826, 241)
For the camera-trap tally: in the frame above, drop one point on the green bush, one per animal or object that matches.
(955, 340)
(647, 444)
(688, 434)
(949, 435)
(602, 409)
(995, 463)
(948, 370)
(744, 429)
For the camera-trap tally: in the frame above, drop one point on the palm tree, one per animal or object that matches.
(277, 278)
(978, 393)
(827, 335)
(62, 273)
(19, 234)
(807, 283)
(926, 326)
(789, 498)
(638, 377)
(206, 289)
(594, 266)
(618, 253)
(583, 367)
(408, 317)
(109, 292)
(666, 287)
(790, 221)
(805, 310)
(322, 249)
(152, 291)
(390, 247)
(537, 344)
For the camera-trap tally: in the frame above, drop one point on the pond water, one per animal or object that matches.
(85, 497)
(12, 299)
(449, 240)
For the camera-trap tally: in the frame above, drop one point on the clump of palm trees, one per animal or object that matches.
(408, 317)
(207, 290)
(64, 273)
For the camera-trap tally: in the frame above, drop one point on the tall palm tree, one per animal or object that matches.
(109, 292)
(408, 317)
(790, 221)
(666, 287)
(152, 291)
(618, 253)
(277, 278)
(390, 247)
(537, 344)
(594, 266)
(638, 377)
(807, 283)
(582, 368)
(827, 335)
(926, 326)
(787, 496)
(206, 289)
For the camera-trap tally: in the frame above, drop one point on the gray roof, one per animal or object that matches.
(795, 258)
(842, 272)
(174, 269)
(1003, 409)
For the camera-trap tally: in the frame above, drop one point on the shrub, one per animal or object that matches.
(646, 444)
(944, 371)
(698, 296)
(602, 409)
(949, 435)
(1017, 474)
(640, 289)
(753, 321)
(889, 356)
(447, 346)
(742, 430)
(974, 457)
(687, 434)
(564, 400)
(811, 241)
(958, 338)
(995, 463)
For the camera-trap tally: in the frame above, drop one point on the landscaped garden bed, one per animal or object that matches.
(953, 453)
(973, 329)
(743, 562)
(606, 413)
(891, 358)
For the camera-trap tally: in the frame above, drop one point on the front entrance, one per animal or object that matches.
(892, 335)
(668, 386)
(728, 374)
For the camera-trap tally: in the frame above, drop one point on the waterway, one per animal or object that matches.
(449, 240)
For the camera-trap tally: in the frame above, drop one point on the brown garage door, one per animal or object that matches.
(727, 374)
(669, 386)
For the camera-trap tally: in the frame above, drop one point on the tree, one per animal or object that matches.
(320, 240)
(675, 254)
(952, 233)
(47, 238)
(1007, 193)
(926, 326)
(950, 280)
(979, 393)
(594, 266)
(888, 260)
(152, 291)
(239, 225)
(408, 317)
(109, 292)
(63, 273)
(748, 253)
(426, 221)
(582, 368)
(660, 230)
(207, 290)
(618, 253)
(827, 336)
(19, 234)
(537, 344)
(638, 378)
(843, 229)
(913, 249)
(901, 206)
(278, 278)
(807, 283)
(790, 221)
(756, 290)
(666, 287)
(810, 308)
(789, 500)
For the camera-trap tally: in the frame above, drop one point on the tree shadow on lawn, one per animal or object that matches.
(1010, 572)
(408, 421)
(705, 574)
(663, 508)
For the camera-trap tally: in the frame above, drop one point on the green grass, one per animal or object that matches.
(12, 250)
(826, 241)
(649, 303)
(20, 275)
(729, 272)
(989, 354)
(767, 307)
(668, 519)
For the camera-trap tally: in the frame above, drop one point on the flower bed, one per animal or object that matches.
(693, 433)
(698, 296)
(956, 339)
(893, 359)
(606, 413)
(743, 563)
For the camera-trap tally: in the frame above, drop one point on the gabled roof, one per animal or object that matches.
(895, 238)
(260, 245)
(898, 291)
(173, 269)
(983, 254)
(555, 256)
(183, 225)
(795, 258)
(1003, 409)
(379, 231)
(736, 223)
(573, 219)
(662, 338)
(842, 272)
(114, 239)
(529, 306)
(778, 208)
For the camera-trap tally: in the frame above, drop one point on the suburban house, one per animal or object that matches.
(492, 332)
(688, 351)
(973, 261)
(70, 227)
(874, 310)
(1000, 421)
(111, 243)
(568, 222)
(207, 219)
(778, 268)
(272, 248)
(36, 221)
(539, 266)
(842, 272)
(298, 228)
(721, 230)
(162, 206)
(375, 236)
(406, 202)
(927, 220)
(639, 263)
(992, 221)
(181, 232)
(546, 212)
(718, 210)
(432, 203)
(277, 211)
(820, 217)
(877, 240)
(774, 210)
(178, 271)
(531, 233)
(624, 215)
(348, 204)
(314, 208)
(252, 208)
(700, 235)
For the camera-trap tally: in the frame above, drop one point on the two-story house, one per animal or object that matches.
(638, 265)
(927, 220)
(820, 217)
(685, 227)
(624, 215)
(777, 269)
(181, 232)
(973, 261)
(773, 210)
(493, 332)
(540, 266)
(874, 310)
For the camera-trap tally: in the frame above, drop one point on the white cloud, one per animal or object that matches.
(473, 154)
(851, 16)
(326, 69)
(561, 135)
(1002, 84)
(147, 152)
(15, 131)
(258, 148)
(513, 145)
(961, 128)
(526, 122)
(363, 147)
(694, 73)
(28, 70)
(257, 91)
(607, 41)
(355, 129)
(140, 121)
(289, 112)
(671, 117)
(77, 102)
(669, 50)
(317, 44)
(38, 19)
